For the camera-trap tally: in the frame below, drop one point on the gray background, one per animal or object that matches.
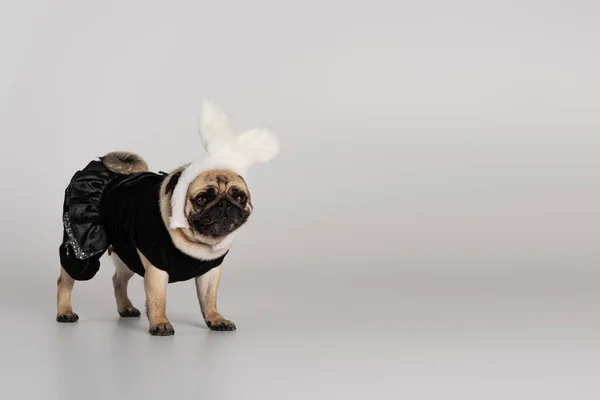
(430, 229)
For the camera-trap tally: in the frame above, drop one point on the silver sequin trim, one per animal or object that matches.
(79, 253)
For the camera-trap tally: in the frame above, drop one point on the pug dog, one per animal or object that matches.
(165, 227)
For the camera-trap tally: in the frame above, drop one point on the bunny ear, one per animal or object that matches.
(259, 145)
(214, 125)
(226, 150)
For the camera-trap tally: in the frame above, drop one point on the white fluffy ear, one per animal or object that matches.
(214, 125)
(259, 145)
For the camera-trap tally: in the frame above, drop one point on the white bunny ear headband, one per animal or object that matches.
(226, 150)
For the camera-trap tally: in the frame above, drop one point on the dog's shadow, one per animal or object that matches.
(141, 323)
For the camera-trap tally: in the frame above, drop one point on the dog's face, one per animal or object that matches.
(218, 203)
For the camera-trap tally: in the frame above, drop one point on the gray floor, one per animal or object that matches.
(427, 333)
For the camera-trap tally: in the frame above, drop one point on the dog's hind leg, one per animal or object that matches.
(120, 281)
(63, 298)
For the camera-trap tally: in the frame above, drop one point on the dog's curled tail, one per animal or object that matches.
(124, 163)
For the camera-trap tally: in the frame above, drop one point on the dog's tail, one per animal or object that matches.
(124, 163)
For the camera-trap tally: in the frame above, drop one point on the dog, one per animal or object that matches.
(165, 227)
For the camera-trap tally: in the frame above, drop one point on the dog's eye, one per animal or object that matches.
(238, 195)
(206, 197)
(201, 200)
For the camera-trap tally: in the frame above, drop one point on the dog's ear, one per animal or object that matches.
(172, 182)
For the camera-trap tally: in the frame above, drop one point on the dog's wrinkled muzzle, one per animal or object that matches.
(220, 219)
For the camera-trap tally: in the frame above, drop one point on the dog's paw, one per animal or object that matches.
(70, 317)
(164, 329)
(222, 325)
(129, 312)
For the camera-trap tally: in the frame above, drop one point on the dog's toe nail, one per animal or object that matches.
(72, 317)
(224, 325)
(162, 330)
(130, 312)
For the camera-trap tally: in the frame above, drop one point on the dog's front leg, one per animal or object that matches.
(155, 284)
(206, 287)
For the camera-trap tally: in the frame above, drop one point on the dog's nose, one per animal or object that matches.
(225, 204)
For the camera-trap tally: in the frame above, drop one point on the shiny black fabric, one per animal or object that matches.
(80, 270)
(121, 211)
(83, 206)
(81, 212)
